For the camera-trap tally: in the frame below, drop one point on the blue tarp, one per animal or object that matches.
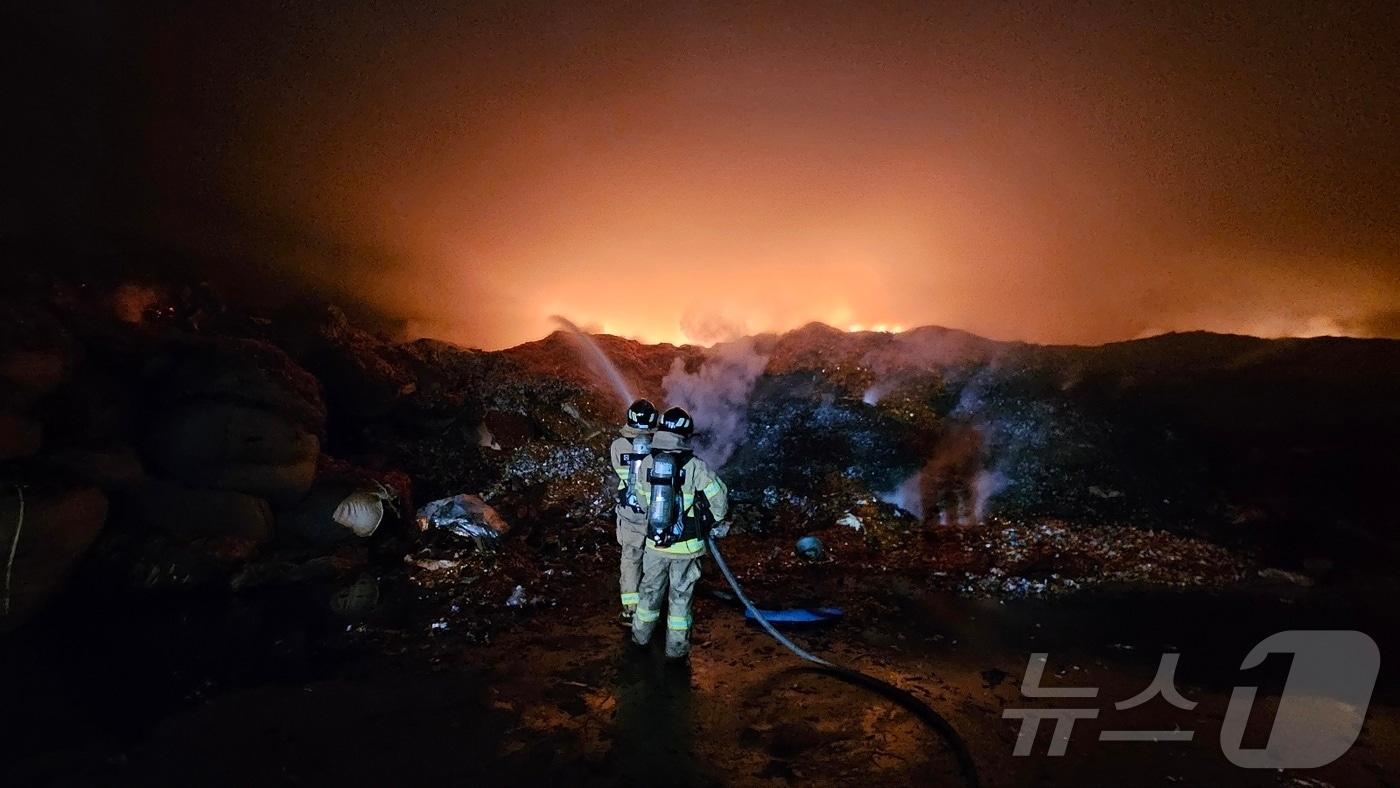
(800, 615)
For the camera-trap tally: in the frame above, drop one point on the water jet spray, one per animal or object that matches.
(596, 359)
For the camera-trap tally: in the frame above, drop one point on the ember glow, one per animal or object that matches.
(678, 174)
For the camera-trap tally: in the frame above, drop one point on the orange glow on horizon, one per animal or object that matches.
(683, 174)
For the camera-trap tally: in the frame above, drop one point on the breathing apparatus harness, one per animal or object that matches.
(641, 447)
(667, 520)
(643, 418)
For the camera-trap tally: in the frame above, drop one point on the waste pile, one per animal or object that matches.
(181, 444)
(1051, 558)
(146, 430)
(996, 559)
(465, 515)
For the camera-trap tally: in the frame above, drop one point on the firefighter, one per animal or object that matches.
(627, 452)
(684, 501)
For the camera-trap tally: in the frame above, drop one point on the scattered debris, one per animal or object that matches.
(850, 521)
(517, 597)
(485, 439)
(1051, 557)
(428, 571)
(810, 548)
(362, 511)
(433, 564)
(465, 515)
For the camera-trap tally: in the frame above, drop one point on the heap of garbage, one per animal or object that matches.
(181, 443)
(146, 430)
(1051, 557)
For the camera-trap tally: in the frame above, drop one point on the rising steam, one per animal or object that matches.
(963, 473)
(908, 496)
(717, 395)
(985, 484)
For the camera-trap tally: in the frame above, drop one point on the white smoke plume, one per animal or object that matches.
(984, 485)
(954, 482)
(884, 386)
(909, 496)
(717, 396)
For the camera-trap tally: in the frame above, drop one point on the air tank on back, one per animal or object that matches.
(661, 514)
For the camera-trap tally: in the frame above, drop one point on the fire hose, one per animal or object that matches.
(904, 698)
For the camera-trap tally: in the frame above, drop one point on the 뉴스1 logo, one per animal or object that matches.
(1319, 717)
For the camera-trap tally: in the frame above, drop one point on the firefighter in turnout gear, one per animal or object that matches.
(684, 501)
(627, 452)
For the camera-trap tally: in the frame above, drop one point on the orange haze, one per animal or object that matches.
(685, 171)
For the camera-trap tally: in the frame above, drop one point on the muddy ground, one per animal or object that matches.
(269, 688)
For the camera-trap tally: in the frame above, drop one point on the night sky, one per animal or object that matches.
(1057, 173)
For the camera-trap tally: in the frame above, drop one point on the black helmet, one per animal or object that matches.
(677, 420)
(642, 415)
